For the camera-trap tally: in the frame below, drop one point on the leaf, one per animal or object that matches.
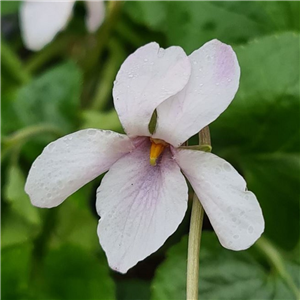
(14, 193)
(16, 229)
(102, 120)
(223, 274)
(51, 98)
(259, 132)
(73, 273)
(15, 271)
(9, 7)
(192, 24)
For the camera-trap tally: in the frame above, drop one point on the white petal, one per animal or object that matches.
(148, 77)
(213, 83)
(41, 21)
(70, 162)
(95, 14)
(140, 206)
(234, 213)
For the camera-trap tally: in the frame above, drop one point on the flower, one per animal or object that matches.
(143, 197)
(42, 20)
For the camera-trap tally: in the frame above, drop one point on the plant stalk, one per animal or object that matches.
(195, 234)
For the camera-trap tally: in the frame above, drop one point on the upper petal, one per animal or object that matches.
(140, 206)
(70, 162)
(212, 85)
(234, 213)
(148, 77)
(95, 14)
(41, 21)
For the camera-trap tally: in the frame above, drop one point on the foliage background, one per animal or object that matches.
(54, 254)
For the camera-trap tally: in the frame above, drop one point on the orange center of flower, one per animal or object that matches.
(157, 147)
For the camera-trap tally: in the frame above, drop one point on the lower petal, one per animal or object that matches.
(234, 213)
(70, 162)
(140, 206)
(95, 14)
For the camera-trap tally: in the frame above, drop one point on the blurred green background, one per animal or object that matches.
(55, 254)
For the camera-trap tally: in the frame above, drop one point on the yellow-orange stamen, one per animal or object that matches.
(157, 147)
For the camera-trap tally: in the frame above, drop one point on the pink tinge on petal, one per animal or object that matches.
(148, 77)
(140, 206)
(42, 20)
(70, 162)
(212, 85)
(95, 14)
(234, 213)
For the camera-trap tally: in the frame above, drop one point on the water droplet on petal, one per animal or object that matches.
(146, 59)
(91, 131)
(236, 236)
(51, 147)
(227, 167)
(229, 209)
(250, 229)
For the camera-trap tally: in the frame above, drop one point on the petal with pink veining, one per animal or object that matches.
(41, 21)
(213, 83)
(70, 162)
(148, 77)
(140, 206)
(234, 213)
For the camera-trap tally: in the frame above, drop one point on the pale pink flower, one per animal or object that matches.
(142, 200)
(41, 20)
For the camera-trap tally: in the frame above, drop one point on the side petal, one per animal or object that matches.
(70, 162)
(234, 213)
(41, 21)
(95, 14)
(148, 77)
(213, 83)
(140, 206)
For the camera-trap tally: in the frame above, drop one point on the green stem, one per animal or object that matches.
(275, 260)
(19, 137)
(195, 235)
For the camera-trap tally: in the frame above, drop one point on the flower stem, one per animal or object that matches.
(195, 234)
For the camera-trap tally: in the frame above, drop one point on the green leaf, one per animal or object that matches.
(51, 98)
(223, 274)
(191, 24)
(15, 271)
(102, 120)
(259, 132)
(9, 7)
(14, 193)
(73, 273)
(16, 229)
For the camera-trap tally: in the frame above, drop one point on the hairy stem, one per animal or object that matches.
(195, 234)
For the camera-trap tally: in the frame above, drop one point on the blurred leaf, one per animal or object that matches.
(198, 22)
(73, 273)
(15, 269)
(260, 131)
(51, 98)
(14, 193)
(102, 120)
(223, 274)
(76, 222)
(9, 7)
(16, 229)
(133, 289)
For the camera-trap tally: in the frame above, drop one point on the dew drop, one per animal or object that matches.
(146, 59)
(229, 80)
(227, 167)
(208, 57)
(91, 131)
(130, 76)
(49, 195)
(217, 83)
(201, 84)
(236, 236)
(250, 229)
(194, 62)
(217, 171)
(70, 138)
(229, 209)
(107, 132)
(234, 219)
(51, 147)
